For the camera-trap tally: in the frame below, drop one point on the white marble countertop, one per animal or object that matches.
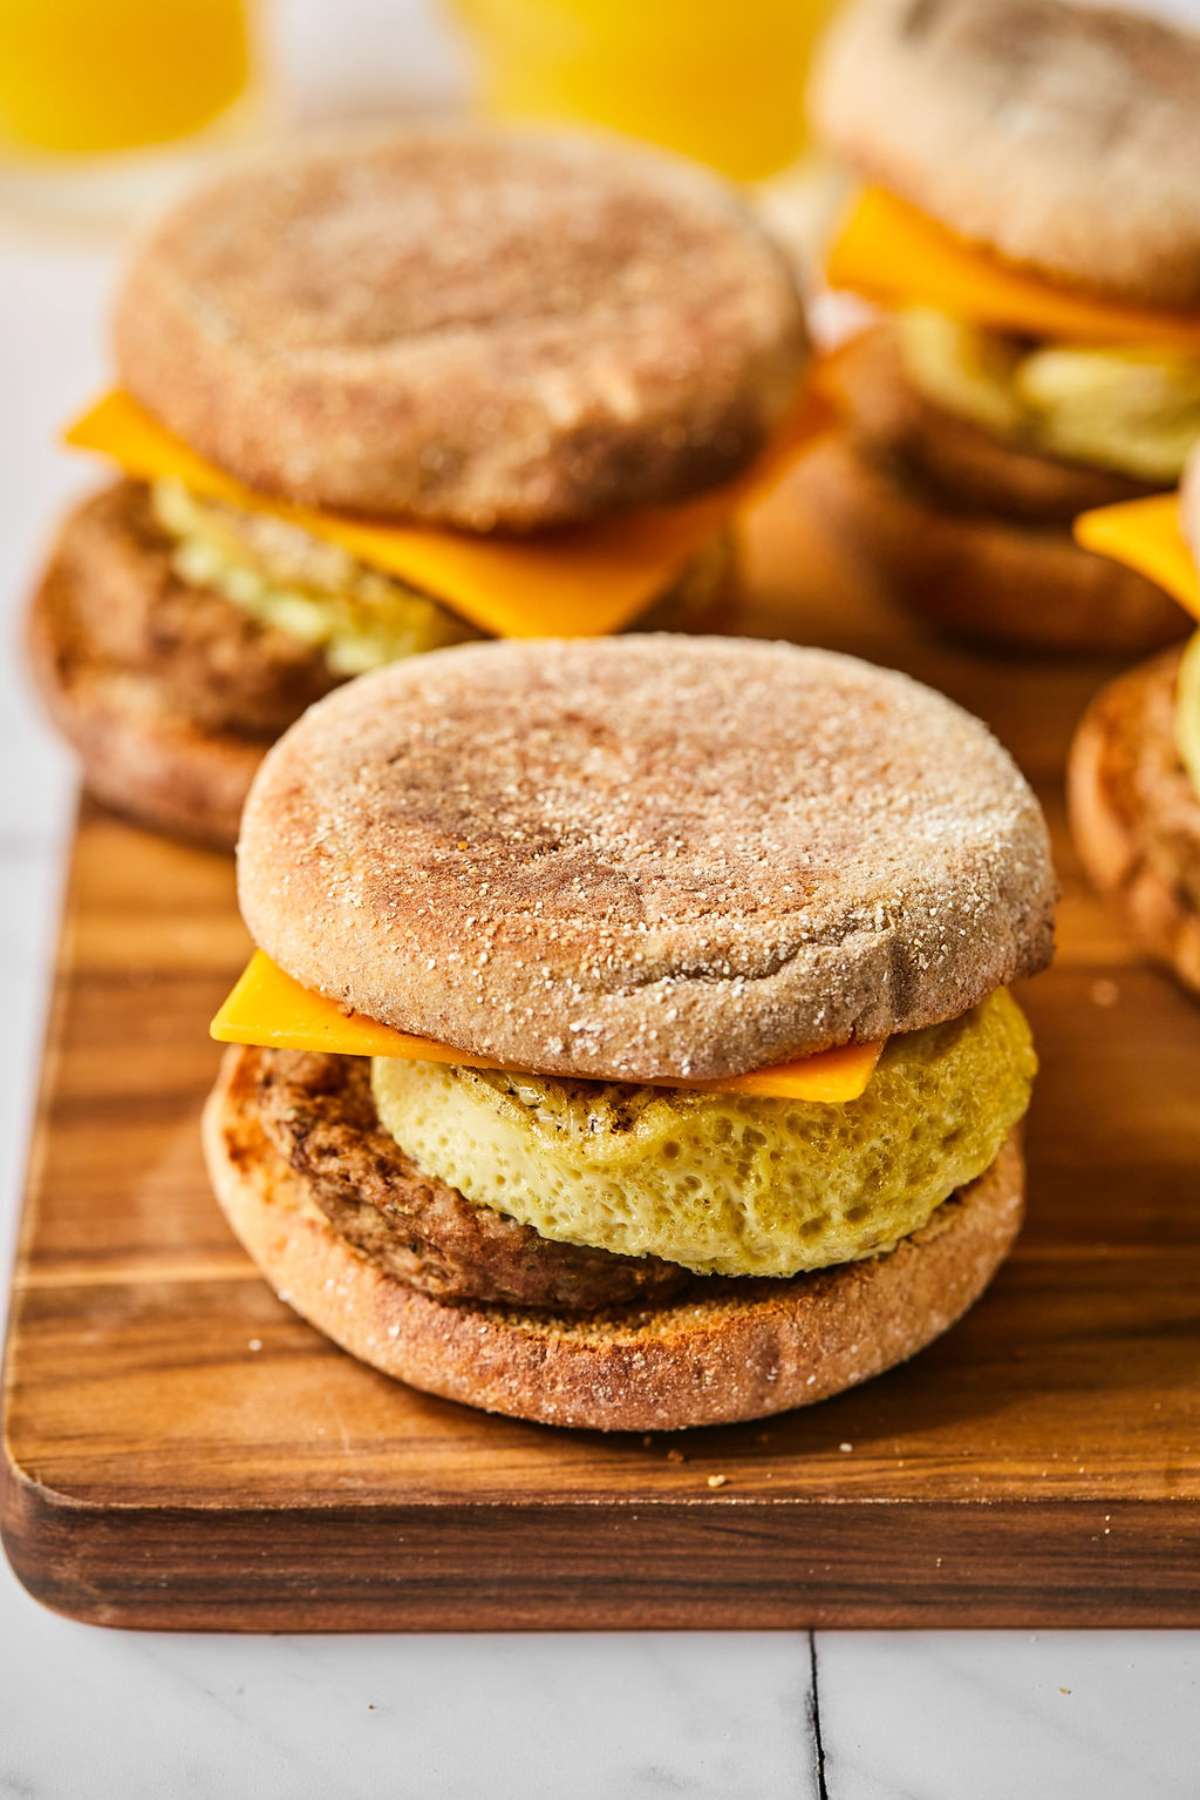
(124, 1716)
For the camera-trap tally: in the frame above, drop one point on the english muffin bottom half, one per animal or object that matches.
(628, 1044)
(1133, 776)
(1028, 220)
(386, 392)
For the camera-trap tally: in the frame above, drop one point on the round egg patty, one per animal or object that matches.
(724, 1184)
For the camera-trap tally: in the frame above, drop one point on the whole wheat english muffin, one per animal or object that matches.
(1031, 220)
(645, 857)
(576, 902)
(478, 327)
(1001, 117)
(1135, 813)
(530, 365)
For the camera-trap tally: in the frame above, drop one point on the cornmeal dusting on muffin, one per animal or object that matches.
(649, 899)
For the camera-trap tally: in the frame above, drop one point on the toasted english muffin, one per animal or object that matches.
(483, 328)
(381, 392)
(645, 857)
(1135, 813)
(1064, 137)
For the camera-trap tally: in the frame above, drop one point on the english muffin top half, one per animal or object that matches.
(1064, 137)
(480, 328)
(645, 859)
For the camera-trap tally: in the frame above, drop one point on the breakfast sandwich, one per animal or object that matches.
(1133, 779)
(1030, 225)
(390, 392)
(629, 1042)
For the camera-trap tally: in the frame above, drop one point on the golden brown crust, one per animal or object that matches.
(645, 857)
(482, 328)
(992, 580)
(725, 1351)
(1066, 137)
(952, 459)
(1135, 816)
(139, 754)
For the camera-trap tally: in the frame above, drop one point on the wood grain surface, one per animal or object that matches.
(182, 1451)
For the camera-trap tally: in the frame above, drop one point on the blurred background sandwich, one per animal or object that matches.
(1030, 223)
(389, 392)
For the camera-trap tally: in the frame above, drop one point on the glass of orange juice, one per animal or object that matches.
(92, 92)
(719, 80)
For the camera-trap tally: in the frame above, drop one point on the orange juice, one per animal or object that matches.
(89, 76)
(720, 80)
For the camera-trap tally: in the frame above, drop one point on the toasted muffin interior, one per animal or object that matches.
(723, 1184)
(1134, 806)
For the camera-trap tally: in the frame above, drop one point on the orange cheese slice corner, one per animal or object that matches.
(1146, 535)
(268, 1009)
(894, 254)
(584, 582)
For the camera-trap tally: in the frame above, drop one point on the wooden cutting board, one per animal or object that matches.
(182, 1451)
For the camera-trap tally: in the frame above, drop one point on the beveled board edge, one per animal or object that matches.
(710, 1564)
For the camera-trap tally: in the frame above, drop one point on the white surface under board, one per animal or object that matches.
(128, 1716)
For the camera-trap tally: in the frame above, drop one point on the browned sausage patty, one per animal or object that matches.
(118, 603)
(319, 1114)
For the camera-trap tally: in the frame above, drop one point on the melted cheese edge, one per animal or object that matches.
(585, 582)
(1146, 535)
(892, 253)
(270, 1010)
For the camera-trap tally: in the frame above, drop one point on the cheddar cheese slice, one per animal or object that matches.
(268, 1009)
(585, 582)
(894, 254)
(1146, 535)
